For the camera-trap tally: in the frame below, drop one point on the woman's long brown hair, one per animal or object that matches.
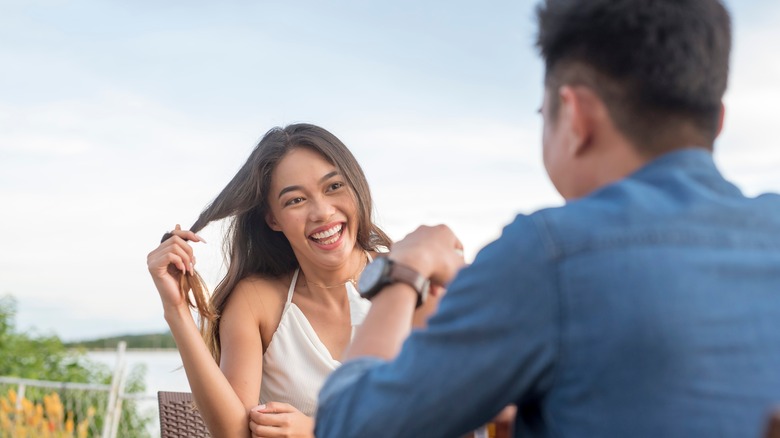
(251, 247)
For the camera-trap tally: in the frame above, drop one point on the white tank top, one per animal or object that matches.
(296, 362)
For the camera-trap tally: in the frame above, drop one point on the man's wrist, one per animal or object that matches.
(396, 294)
(416, 262)
(387, 271)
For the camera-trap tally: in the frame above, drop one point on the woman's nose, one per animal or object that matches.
(321, 209)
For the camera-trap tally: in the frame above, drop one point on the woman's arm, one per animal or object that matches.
(224, 409)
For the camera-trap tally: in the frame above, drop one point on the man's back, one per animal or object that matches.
(669, 294)
(647, 309)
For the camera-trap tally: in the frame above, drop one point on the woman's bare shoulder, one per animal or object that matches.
(262, 290)
(260, 298)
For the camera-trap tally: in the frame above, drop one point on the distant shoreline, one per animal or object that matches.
(150, 341)
(128, 349)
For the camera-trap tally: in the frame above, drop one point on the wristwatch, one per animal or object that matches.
(383, 272)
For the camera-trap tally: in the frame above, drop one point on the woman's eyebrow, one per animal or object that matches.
(288, 189)
(292, 188)
(329, 176)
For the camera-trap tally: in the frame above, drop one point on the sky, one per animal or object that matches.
(119, 120)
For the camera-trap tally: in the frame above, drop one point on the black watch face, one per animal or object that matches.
(371, 275)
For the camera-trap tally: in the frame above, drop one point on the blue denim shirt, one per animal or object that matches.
(650, 308)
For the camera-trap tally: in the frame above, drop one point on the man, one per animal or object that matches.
(649, 305)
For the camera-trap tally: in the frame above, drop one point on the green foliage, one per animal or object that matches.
(43, 357)
(47, 358)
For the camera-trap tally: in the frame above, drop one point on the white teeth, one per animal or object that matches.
(329, 241)
(327, 233)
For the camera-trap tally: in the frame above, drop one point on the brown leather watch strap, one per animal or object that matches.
(404, 274)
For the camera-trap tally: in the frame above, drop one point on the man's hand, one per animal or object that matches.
(435, 252)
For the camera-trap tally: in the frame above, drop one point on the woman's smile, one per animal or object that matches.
(328, 236)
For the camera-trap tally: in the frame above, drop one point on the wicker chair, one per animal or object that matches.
(178, 416)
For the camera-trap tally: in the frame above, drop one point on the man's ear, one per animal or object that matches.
(577, 106)
(721, 118)
(271, 221)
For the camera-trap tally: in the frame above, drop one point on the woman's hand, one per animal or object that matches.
(168, 262)
(275, 419)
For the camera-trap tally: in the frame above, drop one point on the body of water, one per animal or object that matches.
(163, 373)
(163, 368)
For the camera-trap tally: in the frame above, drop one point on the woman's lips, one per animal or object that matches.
(328, 236)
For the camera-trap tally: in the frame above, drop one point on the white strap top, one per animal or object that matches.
(296, 362)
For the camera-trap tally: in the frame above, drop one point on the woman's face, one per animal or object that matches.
(311, 203)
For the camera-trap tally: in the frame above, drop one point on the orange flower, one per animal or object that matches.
(40, 420)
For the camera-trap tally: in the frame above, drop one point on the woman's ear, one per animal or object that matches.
(721, 118)
(271, 221)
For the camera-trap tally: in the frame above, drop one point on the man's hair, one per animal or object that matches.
(659, 65)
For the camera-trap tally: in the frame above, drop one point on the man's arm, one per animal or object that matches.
(492, 343)
(435, 253)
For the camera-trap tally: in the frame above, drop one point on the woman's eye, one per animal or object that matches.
(294, 201)
(335, 186)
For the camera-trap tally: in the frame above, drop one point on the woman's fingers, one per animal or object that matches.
(176, 242)
(279, 419)
(180, 242)
(186, 234)
(160, 258)
(175, 245)
(261, 431)
(273, 414)
(275, 408)
(186, 256)
(171, 259)
(271, 419)
(179, 261)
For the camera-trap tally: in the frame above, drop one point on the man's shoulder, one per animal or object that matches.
(583, 218)
(637, 209)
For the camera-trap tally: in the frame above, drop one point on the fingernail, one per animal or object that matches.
(201, 239)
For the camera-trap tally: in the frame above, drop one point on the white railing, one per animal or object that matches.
(112, 412)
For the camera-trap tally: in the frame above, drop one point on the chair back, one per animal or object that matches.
(179, 417)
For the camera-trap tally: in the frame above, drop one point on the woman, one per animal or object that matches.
(279, 321)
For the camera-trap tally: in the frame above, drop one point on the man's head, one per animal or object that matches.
(658, 68)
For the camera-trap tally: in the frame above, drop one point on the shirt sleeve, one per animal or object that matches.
(492, 342)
